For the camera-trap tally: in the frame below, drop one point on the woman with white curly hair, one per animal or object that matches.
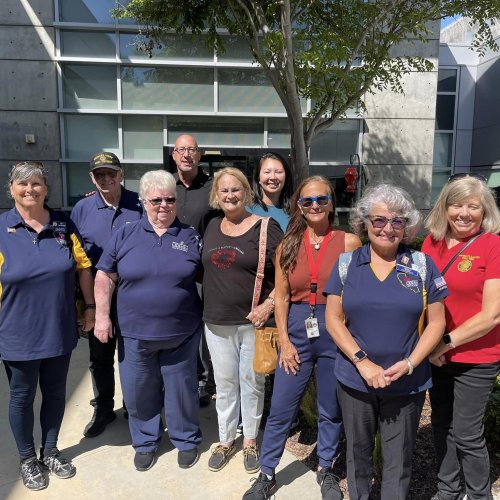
(377, 296)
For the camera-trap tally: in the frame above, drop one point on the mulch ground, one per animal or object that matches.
(302, 444)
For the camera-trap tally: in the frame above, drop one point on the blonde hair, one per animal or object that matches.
(212, 200)
(456, 191)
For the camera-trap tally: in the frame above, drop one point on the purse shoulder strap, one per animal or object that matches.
(262, 260)
(472, 240)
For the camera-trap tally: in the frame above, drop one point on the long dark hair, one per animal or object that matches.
(286, 192)
(290, 244)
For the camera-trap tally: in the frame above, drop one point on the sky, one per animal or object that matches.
(447, 21)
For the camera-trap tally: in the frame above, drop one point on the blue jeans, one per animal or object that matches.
(319, 354)
(24, 377)
(232, 348)
(458, 398)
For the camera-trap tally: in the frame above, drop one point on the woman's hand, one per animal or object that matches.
(397, 370)
(88, 319)
(289, 358)
(436, 358)
(103, 329)
(373, 374)
(261, 314)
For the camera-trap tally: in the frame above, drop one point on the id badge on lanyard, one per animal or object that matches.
(312, 326)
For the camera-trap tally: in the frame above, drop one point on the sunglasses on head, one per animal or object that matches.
(461, 175)
(321, 200)
(169, 200)
(380, 222)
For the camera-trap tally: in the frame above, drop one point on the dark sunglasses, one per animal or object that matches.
(169, 200)
(396, 222)
(321, 200)
(455, 177)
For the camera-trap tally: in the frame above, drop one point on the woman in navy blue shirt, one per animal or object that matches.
(153, 263)
(39, 252)
(374, 306)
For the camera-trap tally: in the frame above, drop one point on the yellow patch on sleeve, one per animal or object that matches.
(81, 259)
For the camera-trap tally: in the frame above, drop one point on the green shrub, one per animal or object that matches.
(492, 417)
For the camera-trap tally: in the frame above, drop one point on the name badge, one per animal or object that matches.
(407, 270)
(312, 327)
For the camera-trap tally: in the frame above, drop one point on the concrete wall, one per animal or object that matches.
(398, 139)
(28, 101)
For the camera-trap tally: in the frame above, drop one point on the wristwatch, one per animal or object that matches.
(448, 341)
(359, 356)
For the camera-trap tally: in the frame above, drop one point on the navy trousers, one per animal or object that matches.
(156, 374)
(458, 398)
(319, 353)
(24, 377)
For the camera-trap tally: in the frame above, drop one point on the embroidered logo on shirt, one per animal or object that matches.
(409, 282)
(179, 246)
(465, 264)
(59, 229)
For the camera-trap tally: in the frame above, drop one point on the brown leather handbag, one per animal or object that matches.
(266, 339)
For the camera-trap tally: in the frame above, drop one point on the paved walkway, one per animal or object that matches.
(105, 463)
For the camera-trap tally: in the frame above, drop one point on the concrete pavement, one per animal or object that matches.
(105, 463)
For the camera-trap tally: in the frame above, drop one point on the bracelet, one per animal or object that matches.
(271, 299)
(89, 306)
(410, 366)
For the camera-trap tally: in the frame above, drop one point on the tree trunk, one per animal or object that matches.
(299, 155)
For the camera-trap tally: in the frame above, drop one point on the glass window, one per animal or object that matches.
(439, 179)
(86, 11)
(447, 80)
(173, 46)
(236, 50)
(79, 182)
(143, 137)
(445, 112)
(218, 131)
(175, 89)
(247, 90)
(442, 149)
(337, 143)
(133, 174)
(86, 134)
(278, 135)
(89, 86)
(76, 43)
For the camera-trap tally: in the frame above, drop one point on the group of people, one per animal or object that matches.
(175, 270)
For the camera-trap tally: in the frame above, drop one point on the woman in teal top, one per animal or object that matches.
(272, 189)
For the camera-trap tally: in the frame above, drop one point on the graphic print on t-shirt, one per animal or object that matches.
(224, 257)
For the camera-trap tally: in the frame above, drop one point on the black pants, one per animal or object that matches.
(102, 370)
(397, 418)
(458, 400)
(24, 377)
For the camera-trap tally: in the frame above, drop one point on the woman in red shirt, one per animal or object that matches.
(467, 360)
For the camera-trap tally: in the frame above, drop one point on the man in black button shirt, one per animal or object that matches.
(193, 190)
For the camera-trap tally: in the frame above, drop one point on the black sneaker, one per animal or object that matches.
(220, 457)
(203, 396)
(187, 458)
(32, 474)
(330, 489)
(262, 489)
(251, 459)
(58, 465)
(98, 423)
(144, 460)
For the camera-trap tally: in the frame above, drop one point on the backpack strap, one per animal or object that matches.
(259, 276)
(344, 261)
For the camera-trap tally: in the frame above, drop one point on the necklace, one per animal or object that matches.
(317, 242)
(35, 238)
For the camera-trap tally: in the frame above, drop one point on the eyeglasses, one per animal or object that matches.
(108, 173)
(397, 223)
(169, 200)
(461, 175)
(190, 151)
(322, 200)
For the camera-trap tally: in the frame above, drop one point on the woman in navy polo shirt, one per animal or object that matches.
(39, 252)
(153, 262)
(373, 312)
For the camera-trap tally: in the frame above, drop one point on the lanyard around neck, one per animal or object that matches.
(314, 265)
